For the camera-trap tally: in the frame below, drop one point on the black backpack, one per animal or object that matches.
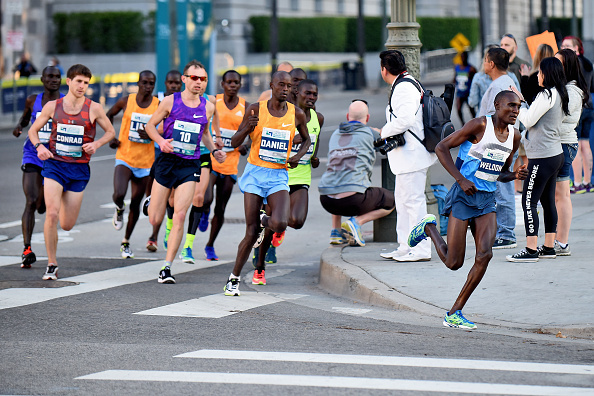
(436, 116)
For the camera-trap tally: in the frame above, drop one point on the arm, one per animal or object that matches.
(103, 121)
(315, 161)
(151, 126)
(474, 95)
(207, 137)
(111, 113)
(26, 117)
(301, 125)
(406, 101)
(249, 122)
(541, 104)
(46, 113)
(521, 173)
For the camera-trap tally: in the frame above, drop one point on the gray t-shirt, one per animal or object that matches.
(487, 103)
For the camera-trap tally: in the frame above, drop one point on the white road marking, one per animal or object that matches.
(333, 382)
(38, 238)
(351, 311)
(17, 297)
(218, 305)
(11, 260)
(111, 205)
(466, 364)
(13, 224)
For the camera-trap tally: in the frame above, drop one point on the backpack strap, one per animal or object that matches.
(417, 84)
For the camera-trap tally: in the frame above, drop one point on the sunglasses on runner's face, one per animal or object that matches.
(196, 78)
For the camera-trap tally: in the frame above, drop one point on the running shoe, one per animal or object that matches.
(203, 225)
(546, 252)
(126, 251)
(581, 189)
(278, 238)
(151, 246)
(337, 237)
(457, 320)
(352, 229)
(255, 256)
(523, 256)
(186, 255)
(51, 273)
(501, 243)
(210, 254)
(166, 237)
(418, 234)
(261, 230)
(393, 254)
(118, 218)
(562, 251)
(145, 204)
(28, 257)
(165, 276)
(259, 278)
(270, 255)
(232, 287)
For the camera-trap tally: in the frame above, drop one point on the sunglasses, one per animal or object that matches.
(196, 78)
(359, 100)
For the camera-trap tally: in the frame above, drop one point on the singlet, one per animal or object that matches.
(485, 159)
(302, 173)
(272, 138)
(29, 151)
(462, 80)
(229, 119)
(203, 148)
(134, 151)
(70, 132)
(185, 125)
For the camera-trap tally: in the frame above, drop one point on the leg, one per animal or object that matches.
(224, 190)
(411, 207)
(71, 202)
(299, 202)
(459, 109)
(586, 152)
(564, 210)
(138, 190)
(183, 199)
(53, 201)
(280, 206)
(121, 177)
(506, 210)
(451, 253)
(252, 204)
(159, 199)
(577, 167)
(33, 189)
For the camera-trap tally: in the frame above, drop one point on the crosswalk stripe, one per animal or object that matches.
(466, 364)
(333, 382)
(219, 305)
(101, 280)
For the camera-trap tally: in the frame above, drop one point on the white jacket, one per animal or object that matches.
(407, 115)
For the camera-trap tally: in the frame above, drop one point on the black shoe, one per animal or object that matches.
(145, 204)
(501, 243)
(523, 256)
(165, 276)
(546, 252)
(28, 257)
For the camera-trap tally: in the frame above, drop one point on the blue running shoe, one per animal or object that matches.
(352, 229)
(457, 320)
(270, 255)
(418, 234)
(337, 237)
(210, 253)
(186, 255)
(203, 225)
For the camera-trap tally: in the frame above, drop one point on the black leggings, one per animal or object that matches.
(540, 186)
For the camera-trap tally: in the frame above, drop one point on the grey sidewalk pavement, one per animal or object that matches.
(548, 296)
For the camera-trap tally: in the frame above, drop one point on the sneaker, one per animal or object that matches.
(418, 234)
(118, 218)
(546, 252)
(145, 204)
(232, 287)
(560, 251)
(394, 254)
(278, 238)
(151, 246)
(255, 257)
(186, 255)
(259, 278)
(457, 320)
(581, 189)
(589, 187)
(28, 257)
(411, 257)
(523, 256)
(126, 251)
(337, 237)
(261, 230)
(210, 254)
(270, 255)
(203, 225)
(352, 230)
(501, 243)
(51, 273)
(165, 276)
(166, 237)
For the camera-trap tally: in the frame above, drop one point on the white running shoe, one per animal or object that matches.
(394, 254)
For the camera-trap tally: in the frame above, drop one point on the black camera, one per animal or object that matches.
(390, 143)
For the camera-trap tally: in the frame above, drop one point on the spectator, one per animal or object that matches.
(56, 63)
(345, 187)
(529, 80)
(463, 78)
(25, 68)
(508, 43)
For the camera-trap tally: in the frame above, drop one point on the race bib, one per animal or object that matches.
(45, 131)
(136, 121)
(186, 137)
(306, 159)
(491, 165)
(69, 140)
(227, 134)
(274, 145)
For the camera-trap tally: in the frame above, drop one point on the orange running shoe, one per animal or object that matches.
(259, 278)
(277, 239)
(28, 257)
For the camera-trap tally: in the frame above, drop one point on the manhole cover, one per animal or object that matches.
(35, 284)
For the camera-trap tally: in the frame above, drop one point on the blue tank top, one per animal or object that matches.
(185, 125)
(29, 152)
(462, 80)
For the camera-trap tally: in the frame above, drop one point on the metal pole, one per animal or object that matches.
(574, 24)
(483, 25)
(274, 36)
(544, 17)
(361, 83)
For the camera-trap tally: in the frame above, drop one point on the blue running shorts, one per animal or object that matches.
(72, 176)
(465, 207)
(138, 173)
(263, 181)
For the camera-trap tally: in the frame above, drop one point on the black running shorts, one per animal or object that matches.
(360, 203)
(172, 171)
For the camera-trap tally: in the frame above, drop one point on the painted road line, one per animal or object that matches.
(11, 260)
(13, 224)
(319, 381)
(218, 305)
(465, 364)
(101, 280)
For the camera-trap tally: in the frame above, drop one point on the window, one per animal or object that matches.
(295, 5)
(340, 6)
(318, 5)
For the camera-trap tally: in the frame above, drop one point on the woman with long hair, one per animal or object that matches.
(529, 82)
(577, 90)
(545, 157)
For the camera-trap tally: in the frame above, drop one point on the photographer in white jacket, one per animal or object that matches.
(408, 162)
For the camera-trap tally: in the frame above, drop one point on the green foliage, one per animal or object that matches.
(560, 26)
(339, 34)
(99, 32)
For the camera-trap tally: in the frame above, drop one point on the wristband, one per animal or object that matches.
(37, 145)
(215, 150)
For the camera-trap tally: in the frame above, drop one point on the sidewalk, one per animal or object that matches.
(548, 296)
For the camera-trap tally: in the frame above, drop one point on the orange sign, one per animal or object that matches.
(545, 37)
